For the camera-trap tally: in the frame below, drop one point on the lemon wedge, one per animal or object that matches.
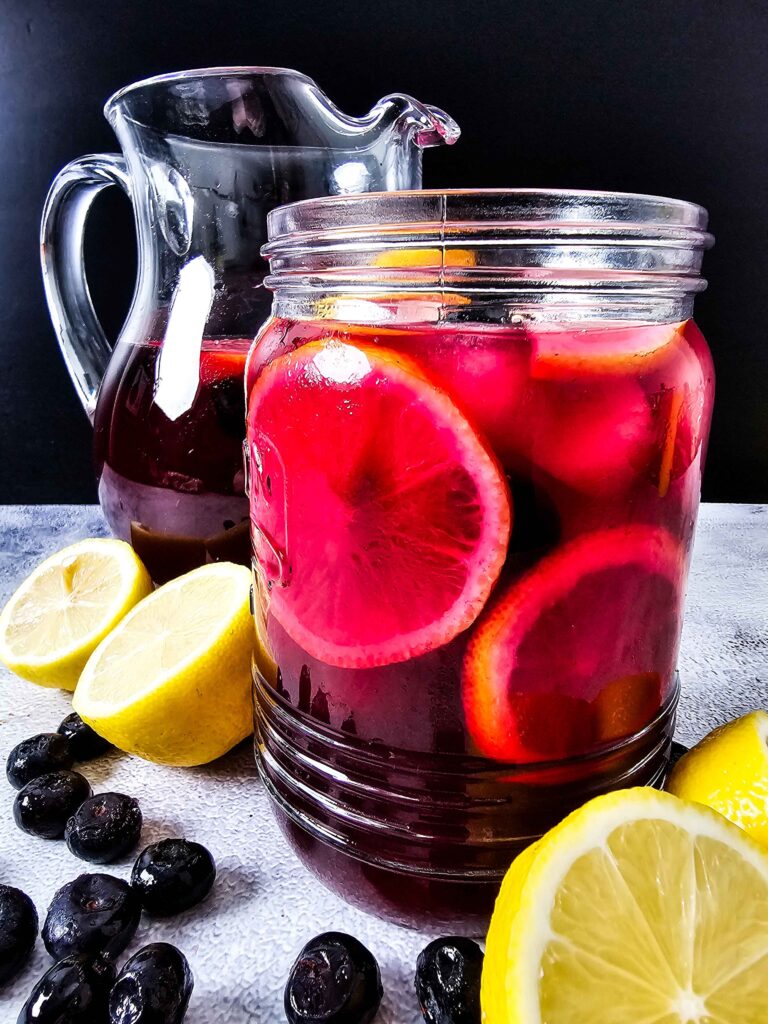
(639, 908)
(172, 683)
(728, 771)
(58, 616)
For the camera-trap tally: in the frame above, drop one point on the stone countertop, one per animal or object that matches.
(242, 941)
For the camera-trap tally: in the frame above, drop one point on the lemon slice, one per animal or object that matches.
(639, 908)
(172, 682)
(728, 771)
(60, 613)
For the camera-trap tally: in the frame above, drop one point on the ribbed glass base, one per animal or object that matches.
(425, 839)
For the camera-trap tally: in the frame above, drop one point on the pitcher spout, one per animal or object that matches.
(420, 123)
(396, 118)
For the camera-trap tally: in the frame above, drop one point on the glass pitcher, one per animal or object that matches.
(472, 628)
(206, 155)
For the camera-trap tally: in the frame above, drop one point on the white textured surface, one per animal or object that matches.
(242, 941)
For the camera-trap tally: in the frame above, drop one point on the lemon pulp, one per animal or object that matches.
(62, 611)
(638, 909)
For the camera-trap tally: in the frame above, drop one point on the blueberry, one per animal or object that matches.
(172, 875)
(93, 914)
(18, 931)
(104, 828)
(153, 987)
(448, 981)
(335, 980)
(39, 755)
(45, 805)
(84, 743)
(73, 991)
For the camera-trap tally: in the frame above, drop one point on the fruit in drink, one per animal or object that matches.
(414, 510)
(543, 672)
(598, 430)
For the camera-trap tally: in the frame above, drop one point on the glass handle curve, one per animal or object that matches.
(81, 337)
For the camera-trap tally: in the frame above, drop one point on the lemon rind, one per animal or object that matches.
(133, 573)
(90, 706)
(584, 830)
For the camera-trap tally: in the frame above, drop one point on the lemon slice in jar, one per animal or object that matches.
(415, 306)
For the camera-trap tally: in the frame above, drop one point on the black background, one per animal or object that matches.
(661, 96)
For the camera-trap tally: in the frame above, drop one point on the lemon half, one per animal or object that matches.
(172, 683)
(59, 615)
(639, 908)
(728, 771)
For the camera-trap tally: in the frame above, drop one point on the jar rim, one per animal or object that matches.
(522, 243)
(511, 209)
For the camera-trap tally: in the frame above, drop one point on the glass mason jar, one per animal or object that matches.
(477, 422)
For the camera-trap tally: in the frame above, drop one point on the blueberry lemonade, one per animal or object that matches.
(471, 537)
(168, 447)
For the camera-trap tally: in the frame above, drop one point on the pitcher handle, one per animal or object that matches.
(81, 337)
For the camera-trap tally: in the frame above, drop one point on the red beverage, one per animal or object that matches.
(169, 453)
(472, 520)
(597, 432)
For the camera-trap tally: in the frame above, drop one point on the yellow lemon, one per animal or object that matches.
(728, 770)
(415, 305)
(172, 683)
(444, 256)
(639, 908)
(58, 616)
